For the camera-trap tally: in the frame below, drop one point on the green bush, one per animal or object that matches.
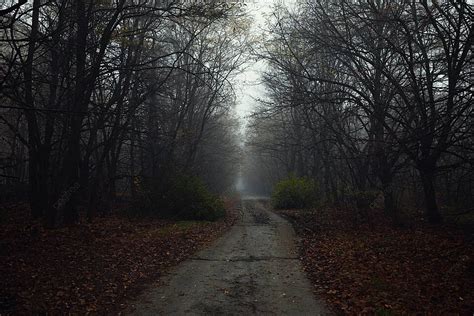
(181, 197)
(189, 199)
(295, 193)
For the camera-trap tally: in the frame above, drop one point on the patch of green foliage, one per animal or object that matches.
(295, 193)
(183, 197)
(189, 199)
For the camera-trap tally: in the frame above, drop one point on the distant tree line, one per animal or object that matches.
(372, 95)
(104, 97)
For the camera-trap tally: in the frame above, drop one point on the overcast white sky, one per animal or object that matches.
(248, 86)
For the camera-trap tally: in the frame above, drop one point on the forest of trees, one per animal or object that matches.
(372, 96)
(124, 147)
(107, 98)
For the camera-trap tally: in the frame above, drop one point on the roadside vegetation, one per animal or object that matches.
(118, 140)
(118, 98)
(373, 102)
(295, 193)
(184, 198)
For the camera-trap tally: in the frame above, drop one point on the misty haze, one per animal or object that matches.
(261, 157)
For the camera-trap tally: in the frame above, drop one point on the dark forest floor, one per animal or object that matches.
(375, 268)
(91, 267)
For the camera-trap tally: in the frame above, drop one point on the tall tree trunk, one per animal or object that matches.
(73, 153)
(427, 175)
(390, 205)
(33, 179)
(72, 167)
(133, 189)
(34, 140)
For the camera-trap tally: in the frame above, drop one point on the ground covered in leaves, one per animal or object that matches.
(91, 267)
(375, 268)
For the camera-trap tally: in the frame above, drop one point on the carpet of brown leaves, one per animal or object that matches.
(380, 269)
(91, 267)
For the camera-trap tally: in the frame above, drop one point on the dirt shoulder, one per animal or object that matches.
(92, 267)
(375, 268)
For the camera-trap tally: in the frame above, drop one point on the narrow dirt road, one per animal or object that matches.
(252, 269)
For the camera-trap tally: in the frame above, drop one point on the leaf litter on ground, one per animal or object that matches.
(373, 267)
(91, 267)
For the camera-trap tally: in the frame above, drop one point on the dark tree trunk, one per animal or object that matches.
(34, 186)
(133, 189)
(390, 204)
(72, 167)
(34, 140)
(81, 98)
(431, 206)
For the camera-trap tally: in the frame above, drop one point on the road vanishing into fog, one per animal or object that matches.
(252, 270)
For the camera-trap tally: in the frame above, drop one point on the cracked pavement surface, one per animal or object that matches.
(252, 269)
